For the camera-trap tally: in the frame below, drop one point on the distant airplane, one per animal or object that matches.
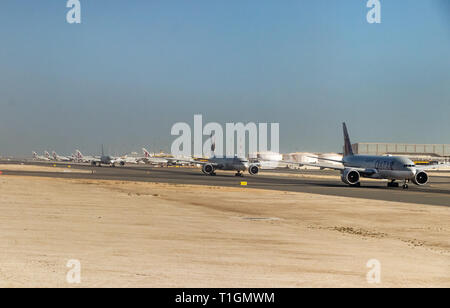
(37, 157)
(84, 159)
(106, 160)
(61, 158)
(150, 159)
(393, 168)
(238, 164)
(99, 160)
(47, 155)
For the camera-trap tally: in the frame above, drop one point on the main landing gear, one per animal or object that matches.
(240, 174)
(394, 184)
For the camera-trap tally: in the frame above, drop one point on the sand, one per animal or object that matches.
(35, 168)
(159, 235)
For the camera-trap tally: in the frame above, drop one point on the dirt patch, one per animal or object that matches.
(129, 234)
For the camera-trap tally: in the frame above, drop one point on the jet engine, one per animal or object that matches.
(208, 169)
(421, 178)
(351, 177)
(253, 169)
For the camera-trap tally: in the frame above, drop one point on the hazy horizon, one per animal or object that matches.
(131, 70)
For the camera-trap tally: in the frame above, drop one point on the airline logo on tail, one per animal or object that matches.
(78, 154)
(348, 150)
(55, 156)
(146, 153)
(47, 155)
(35, 155)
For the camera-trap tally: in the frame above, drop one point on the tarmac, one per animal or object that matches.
(436, 193)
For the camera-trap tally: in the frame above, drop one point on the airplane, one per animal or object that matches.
(47, 155)
(150, 159)
(106, 160)
(238, 164)
(392, 168)
(84, 159)
(99, 160)
(61, 158)
(37, 157)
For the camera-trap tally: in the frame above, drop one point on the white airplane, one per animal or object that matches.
(152, 160)
(393, 168)
(47, 155)
(84, 159)
(37, 157)
(61, 158)
(99, 161)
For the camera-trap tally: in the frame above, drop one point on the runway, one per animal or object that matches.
(437, 192)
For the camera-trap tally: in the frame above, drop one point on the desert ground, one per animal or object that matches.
(128, 234)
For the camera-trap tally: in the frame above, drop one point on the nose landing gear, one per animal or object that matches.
(405, 185)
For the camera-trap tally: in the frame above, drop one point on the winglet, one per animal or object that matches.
(348, 150)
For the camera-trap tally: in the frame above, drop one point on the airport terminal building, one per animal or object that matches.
(424, 153)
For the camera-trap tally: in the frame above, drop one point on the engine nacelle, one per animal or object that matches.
(421, 178)
(208, 169)
(351, 177)
(253, 169)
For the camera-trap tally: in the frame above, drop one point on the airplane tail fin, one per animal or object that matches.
(146, 153)
(78, 154)
(348, 150)
(54, 155)
(34, 155)
(47, 155)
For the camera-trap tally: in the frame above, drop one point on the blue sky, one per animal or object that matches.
(134, 68)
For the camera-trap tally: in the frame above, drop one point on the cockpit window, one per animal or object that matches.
(410, 166)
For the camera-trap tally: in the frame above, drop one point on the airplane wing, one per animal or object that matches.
(328, 159)
(318, 165)
(155, 160)
(432, 167)
(332, 167)
(197, 162)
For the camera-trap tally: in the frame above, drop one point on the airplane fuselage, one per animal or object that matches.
(384, 167)
(235, 164)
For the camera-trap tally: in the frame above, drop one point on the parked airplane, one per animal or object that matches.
(47, 155)
(84, 159)
(150, 159)
(61, 158)
(37, 157)
(393, 168)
